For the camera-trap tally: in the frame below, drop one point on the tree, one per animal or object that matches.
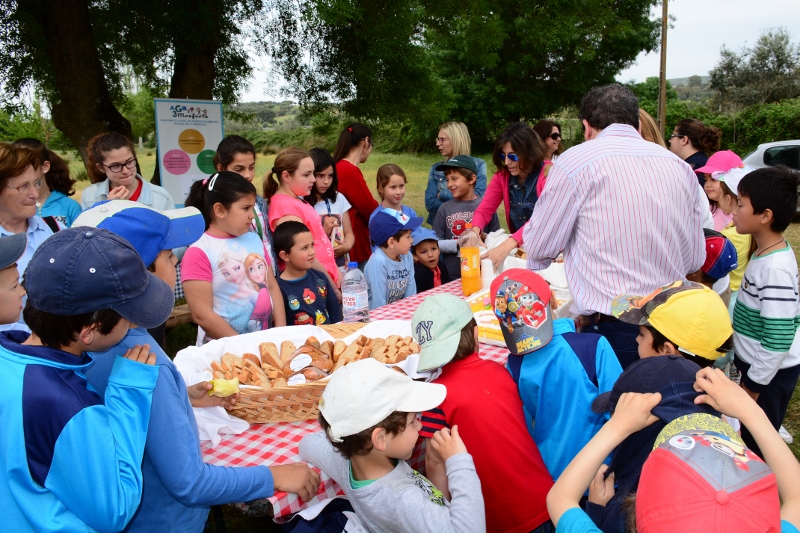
(647, 91)
(73, 51)
(768, 72)
(483, 62)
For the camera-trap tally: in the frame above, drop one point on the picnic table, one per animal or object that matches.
(277, 444)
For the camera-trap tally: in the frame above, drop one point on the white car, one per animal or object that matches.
(777, 153)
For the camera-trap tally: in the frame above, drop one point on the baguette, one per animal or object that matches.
(287, 349)
(269, 355)
(327, 347)
(338, 349)
(253, 358)
(313, 341)
(365, 352)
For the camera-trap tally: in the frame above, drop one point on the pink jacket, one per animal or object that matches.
(497, 190)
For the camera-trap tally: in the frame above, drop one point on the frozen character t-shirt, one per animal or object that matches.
(237, 270)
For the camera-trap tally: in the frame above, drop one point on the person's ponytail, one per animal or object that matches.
(220, 188)
(349, 139)
(271, 183)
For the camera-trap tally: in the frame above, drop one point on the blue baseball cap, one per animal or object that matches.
(148, 230)
(11, 249)
(423, 234)
(83, 270)
(387, 222)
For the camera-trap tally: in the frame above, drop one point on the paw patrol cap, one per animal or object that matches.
(436, 326)
(521, 303)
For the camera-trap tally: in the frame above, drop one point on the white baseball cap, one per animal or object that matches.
(365, 392)
(734, 176)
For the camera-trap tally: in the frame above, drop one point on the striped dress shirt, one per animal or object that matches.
(625, 212)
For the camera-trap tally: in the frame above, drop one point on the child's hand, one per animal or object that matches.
(633, 411)
(447, 443)
(601, 489)
(141, 354)
(198, 396)
(722, 394)
(119, 193)
(296, 478)
(329, 223)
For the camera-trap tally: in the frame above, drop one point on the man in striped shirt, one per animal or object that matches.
(627, 214)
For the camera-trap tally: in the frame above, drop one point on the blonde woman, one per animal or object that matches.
(649, 129)
(453, 140)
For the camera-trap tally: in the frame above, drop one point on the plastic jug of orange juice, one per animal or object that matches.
(470, 254)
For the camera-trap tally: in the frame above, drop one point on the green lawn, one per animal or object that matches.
(416, 168)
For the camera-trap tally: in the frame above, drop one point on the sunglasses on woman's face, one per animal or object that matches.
(512, 157)
(555, 136)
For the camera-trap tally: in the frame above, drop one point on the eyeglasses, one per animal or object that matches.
(130, 164)
(555, 136)
(676, 135)
(512, 157)
(441, 140)
(25, 188)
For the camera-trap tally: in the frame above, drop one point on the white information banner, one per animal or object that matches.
(188, 133)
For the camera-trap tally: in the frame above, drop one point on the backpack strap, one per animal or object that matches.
(514, 363)
(52, 223)
(585, 347)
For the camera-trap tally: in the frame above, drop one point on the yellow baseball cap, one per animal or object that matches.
(689, 314)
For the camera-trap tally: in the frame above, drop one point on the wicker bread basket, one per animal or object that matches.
(287, 404)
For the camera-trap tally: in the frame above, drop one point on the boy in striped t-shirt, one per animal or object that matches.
(767, 310)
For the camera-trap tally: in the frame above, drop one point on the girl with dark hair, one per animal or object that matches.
(237, 154)
(57, 187)
(519, 157)
(223, 298)
(289, 181)
(353, 148)
(112, 169)
(331, 206)
(693, 142)
(550, 133)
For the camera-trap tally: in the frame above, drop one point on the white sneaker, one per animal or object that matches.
(785, 435)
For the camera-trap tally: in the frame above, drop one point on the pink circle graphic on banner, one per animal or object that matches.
(177, 162)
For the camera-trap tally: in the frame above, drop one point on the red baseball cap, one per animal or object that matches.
(701, 477)
(521, 302)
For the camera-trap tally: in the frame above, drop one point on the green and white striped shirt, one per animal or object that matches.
(767, 314)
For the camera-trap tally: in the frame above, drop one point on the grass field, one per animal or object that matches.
(416, 168)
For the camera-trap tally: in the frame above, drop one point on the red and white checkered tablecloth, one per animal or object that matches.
(276, 444)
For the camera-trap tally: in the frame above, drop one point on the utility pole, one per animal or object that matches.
(662, 87)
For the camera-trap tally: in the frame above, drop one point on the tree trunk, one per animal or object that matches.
(81, 106)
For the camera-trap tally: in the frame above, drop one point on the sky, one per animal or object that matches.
(700, 29)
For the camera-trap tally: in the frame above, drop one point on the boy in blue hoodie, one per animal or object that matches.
(179, 488)
(559, 372)
(72, 462)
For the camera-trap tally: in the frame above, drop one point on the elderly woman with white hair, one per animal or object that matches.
(453, 140)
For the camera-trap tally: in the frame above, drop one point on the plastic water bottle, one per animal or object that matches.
(468, 244)
(355, 298)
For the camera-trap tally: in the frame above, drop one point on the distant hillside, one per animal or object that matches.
(683, 82)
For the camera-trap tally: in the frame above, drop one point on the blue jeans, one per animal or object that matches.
(547, 527)
(622, 338)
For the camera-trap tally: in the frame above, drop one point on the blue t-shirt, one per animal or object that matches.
(179, 487)
(61, 207)
(557, 384)
(310, 300)
(387, 280)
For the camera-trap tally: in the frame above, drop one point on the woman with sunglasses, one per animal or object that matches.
(693, 141)
(550, 133)
(112, 169)
(519, 155)
(453, 140)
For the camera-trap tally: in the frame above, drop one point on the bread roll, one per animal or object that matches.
(313, 341)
